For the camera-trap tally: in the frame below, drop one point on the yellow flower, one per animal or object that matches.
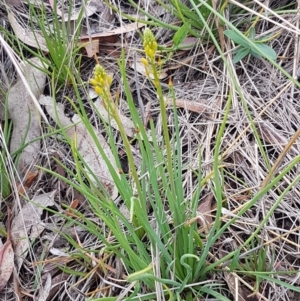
(144, 62)
(93, 82)
(98, 90)
(108, 80)
(101, 80)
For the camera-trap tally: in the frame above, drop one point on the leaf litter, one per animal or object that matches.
(200, 92)
(27, 224)
(6, 255)
(27, 127)
(85, 144)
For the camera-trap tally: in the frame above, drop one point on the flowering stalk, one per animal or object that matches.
(150, 47)
(101, 82)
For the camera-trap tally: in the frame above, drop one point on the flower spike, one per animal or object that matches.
(150, 44)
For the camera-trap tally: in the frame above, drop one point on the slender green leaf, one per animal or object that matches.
(215, 294)
(252, 34)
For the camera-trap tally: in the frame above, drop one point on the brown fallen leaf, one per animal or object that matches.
(73, 206)
(120, 30)
(237, 289)
(140, 68)
(204, 217)
(30, 177)
(112, 50)
(187, 44)
(147, 115)
(6, 256)
(91, 47)
(24, 114)
(13, 3)
(57, 282)
(85, 145)
(197, 107)
(59, 170)
(27, 224)
(127, 123)
(236, 285)
(89, 9)
(219, 27)
(45, 288)
(233, 285)
(26, 35)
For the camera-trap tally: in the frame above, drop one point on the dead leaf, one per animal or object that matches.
(26, 35)
(237, 289)
(89, 8)
(112, 50)
(197, 107)
(73, 206)
(120, 30)
(91, 47)
(203, 212)
(17, 289)
(6, 263)
(236, 284)
(24, 114)
(147, 115)
(233, 285)
(58, 252)
(27, 224)
(6, 256)
(13, 3)
(59, 170)
(78, 196)
(45, 288)
(105, 19)
(187, 44)
(140, 68)
(85, 145)
(219, 27)
(30, 177)
(127, 123)
(57, 282)
(90, 154)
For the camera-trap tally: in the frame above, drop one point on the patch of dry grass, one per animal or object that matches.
(69, 255)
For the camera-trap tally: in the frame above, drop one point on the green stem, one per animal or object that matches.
(165, 134)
